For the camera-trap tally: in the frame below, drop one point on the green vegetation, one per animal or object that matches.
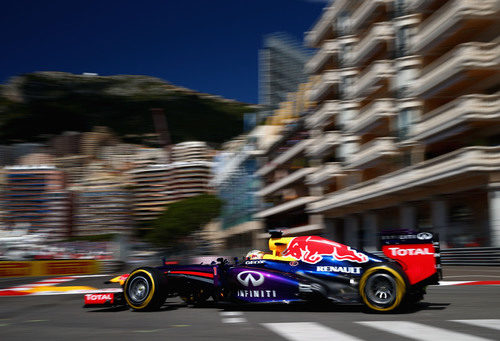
(183, 218)
(35, 105)
(94, 238)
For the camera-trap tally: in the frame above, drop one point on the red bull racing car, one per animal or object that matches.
(297, 269)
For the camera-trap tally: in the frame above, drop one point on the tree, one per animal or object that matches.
(184, 217)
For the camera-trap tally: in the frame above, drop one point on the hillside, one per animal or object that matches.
(35, 105)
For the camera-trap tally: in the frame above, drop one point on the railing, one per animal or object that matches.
(483, 256)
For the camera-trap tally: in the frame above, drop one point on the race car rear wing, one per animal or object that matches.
(417, 252)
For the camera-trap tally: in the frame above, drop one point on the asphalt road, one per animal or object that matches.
(61, 317)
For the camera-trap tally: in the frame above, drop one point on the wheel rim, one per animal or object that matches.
(138, 289)
(381, 289)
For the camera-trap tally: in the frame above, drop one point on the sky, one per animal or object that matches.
(205, 45)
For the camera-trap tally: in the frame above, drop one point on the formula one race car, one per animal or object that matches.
(298, 269)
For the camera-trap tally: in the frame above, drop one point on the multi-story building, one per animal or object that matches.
(36, 197)
(157, 185)
(102, 206)
(236, 183)
(190, 151)
(406, 129)
(281, 70)
(285, 166)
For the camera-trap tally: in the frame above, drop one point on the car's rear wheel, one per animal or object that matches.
(145, 289)
(382, 288)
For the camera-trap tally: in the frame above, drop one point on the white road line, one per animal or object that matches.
(231, 313)
(300, 331)
(489, 323)
(234, 320)
(417, 331)
(232, 317)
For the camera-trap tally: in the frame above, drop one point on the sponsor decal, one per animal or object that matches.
(396, 251)
(98, 298)
(257, 293)
(343, 269)
(294, 263)
(312, 250)
(252, 262)
(424, 235)
(250, 278)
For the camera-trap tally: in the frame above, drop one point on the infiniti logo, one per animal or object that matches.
(424, 235)
(250, 277)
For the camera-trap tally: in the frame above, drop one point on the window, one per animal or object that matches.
(343, 23)
(406, 119)
(403, 37)
(404, 79)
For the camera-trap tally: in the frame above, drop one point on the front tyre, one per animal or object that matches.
(382, 288)
(145, 289)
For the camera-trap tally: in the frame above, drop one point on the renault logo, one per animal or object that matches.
(250, 277)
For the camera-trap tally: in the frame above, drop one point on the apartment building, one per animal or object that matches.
(157, 185)
(285, 166)
(35, 197)
(102, 206)
(405, 132)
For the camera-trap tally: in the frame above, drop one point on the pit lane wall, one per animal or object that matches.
(49, 268)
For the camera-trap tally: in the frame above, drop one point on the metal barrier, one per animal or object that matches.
(483, 256)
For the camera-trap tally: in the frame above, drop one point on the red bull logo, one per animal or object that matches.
(312, 250)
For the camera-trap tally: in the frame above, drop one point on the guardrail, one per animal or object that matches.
(482, 256)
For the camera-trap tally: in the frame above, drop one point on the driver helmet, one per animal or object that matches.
(254, 254)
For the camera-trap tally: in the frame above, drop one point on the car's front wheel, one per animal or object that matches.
(145, 289)
(382, 288)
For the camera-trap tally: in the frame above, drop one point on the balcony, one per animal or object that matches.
(323, 28)
(286, 181)
(323, 143)
(373, 152)
(474, 66)
(378, 39)
(371, 117)
(428, 174)
(422, 5)
(377, 75)
(325, 173)
(328, 82)
(454, 117)
(456, 18)
(284, 207)
(368, 11)
(325, 55)
(284, 157)
(323, 115)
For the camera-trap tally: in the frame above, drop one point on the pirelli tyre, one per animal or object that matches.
(383, 288)
(145, 289)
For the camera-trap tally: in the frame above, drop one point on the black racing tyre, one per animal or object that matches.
(382, 288)
(145, 289)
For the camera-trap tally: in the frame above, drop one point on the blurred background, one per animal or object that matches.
(382, 115)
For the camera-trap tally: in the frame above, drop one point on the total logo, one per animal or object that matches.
(395, 251)
(250, 278)
(98, 298)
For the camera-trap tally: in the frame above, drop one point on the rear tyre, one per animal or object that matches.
(145, 289)
(382, 288)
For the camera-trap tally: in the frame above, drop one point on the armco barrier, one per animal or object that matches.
(49, 268)
(482, 256)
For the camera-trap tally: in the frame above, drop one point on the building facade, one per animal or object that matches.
(36, 198)
(406, 129)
